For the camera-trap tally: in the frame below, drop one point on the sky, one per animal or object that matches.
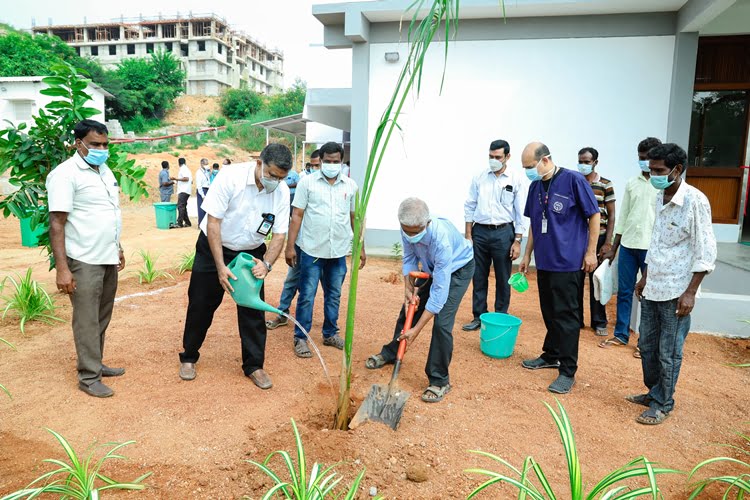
(286, 24)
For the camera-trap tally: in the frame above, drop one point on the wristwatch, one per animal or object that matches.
(268, 265)
(518, 240)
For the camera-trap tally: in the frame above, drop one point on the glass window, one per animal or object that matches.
(94, 50)
(718, 128)
(113, 50)
(131, 48)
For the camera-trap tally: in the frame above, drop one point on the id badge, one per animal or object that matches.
(544, 226)
(266, 224)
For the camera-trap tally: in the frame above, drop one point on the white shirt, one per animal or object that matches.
(326, 230)
(236, 200)
(682, 243)
(185, 186)
(202, 179)
(491, 202)
(92, 201)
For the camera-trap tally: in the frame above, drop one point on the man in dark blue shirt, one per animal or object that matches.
(563, 235)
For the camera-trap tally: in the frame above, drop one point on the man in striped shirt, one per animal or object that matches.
(604, 191)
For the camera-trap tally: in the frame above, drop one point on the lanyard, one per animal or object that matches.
(546, 192)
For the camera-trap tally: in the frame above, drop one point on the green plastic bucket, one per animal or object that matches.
(498, 335)
(29, 237)
(519, 282)
(166, 214)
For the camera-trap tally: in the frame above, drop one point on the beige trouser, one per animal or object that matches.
(93, 299)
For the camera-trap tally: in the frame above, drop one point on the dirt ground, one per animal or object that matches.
(193, 110)
(195, 436)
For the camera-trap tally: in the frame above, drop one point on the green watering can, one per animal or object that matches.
(247, 287)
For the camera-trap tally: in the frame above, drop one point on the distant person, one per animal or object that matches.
(214, 172)
(604, 192)
(439, 248)
(202, 183)
(320, 237)
(166, 183)
(562, 236)
(681, 253)
(184, 188)
(292, 179)
(84, 230)
(247, 202)
(495, 224)
(635, 223)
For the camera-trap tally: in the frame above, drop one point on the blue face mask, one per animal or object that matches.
(96, 156)
(661, 181)
(331, 170)
(532, 174)
(644, 165)
(585, 169)
(416, 238)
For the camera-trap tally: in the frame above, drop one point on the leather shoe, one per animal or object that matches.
(474, 325)
(187, 371)
(97, 389)
(261, 379)
(112, 372)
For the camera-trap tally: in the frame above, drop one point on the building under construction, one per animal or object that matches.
(213, 56)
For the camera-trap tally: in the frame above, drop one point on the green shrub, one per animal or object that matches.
(186, 262)
(148, 272)
(29, 301)
(140, 124)
(239, 104)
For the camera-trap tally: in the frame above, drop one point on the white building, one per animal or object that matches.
(571, 73)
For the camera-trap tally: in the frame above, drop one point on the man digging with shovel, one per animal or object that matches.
(448, 257)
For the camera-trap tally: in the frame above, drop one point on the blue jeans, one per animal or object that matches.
(661, 341)
(629, 262)
(291, 285)
(331, 272)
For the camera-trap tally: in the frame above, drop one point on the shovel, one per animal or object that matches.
(386, 404)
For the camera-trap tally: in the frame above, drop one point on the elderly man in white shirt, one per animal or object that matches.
(85, 226)
(495, 224)
(184, 189)
(325, 201)
(682, 252)
(246, 202)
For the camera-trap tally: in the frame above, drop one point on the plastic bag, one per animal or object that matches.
(604, 284)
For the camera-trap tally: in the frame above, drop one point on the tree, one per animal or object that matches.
(22, 55)
(290, 102)
(239, 104)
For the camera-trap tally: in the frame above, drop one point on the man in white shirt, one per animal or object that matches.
(84, 231)
(325, 201)
(681, 253)
(184, 188)
(495, 224)
(202, 182)
(246, 202)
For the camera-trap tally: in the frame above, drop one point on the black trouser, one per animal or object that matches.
(201, 193)
(491, 248)
(598, 311)
(182, 216)
(558, 296)
(204, 297)
(441, 345)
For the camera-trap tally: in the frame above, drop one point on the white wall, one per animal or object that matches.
(608, 93)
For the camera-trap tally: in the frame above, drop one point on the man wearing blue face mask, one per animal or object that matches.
(320, 237)
(635, 223)
(437, 246)
(604, 192)
(682, 252)
(84, 229)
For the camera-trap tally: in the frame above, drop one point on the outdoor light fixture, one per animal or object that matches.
(391, 57)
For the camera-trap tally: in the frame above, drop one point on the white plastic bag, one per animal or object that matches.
(604, 282)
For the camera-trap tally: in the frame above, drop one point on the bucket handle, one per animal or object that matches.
(501, 335)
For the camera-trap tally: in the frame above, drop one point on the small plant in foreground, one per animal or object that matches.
(739, 484)
(2, 387)
(186, 262)
(30, 301)
(148, 273)
(79, 477)
(604, 489)
(397, 250)
(319, 486)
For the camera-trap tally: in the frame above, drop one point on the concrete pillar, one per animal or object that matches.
(681, 95)
(360, 145)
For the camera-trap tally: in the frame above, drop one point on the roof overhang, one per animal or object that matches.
(332, 107)
(293, 124)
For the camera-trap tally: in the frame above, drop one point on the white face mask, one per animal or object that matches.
(496, 165)
(331, 170)
(269, 185)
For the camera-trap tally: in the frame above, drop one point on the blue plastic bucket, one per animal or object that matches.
(498, 335)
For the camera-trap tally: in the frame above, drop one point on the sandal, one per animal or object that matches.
(640, 399)
(375, 362)
(301, 349)
(637, 353)
(613, 342)
(438, 393)
(652, 417)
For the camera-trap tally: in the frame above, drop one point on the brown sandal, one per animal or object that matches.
(637, 353)
(613, 342)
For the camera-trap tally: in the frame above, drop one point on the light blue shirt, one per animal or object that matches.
(442, 251)
(292, 178)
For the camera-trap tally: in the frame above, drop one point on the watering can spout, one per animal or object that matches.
(247, 287)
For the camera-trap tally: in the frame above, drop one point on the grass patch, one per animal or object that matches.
(139, 124)
(186, 262)
(29, 301)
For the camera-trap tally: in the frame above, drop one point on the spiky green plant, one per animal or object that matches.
(321, 484)
(29, 301)
(440, 17)
(80, 478)
(186, 262)
(606, 489)
(739, 484)
(148, 272)
(2, 387)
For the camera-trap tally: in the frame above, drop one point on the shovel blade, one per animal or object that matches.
(380, 406)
